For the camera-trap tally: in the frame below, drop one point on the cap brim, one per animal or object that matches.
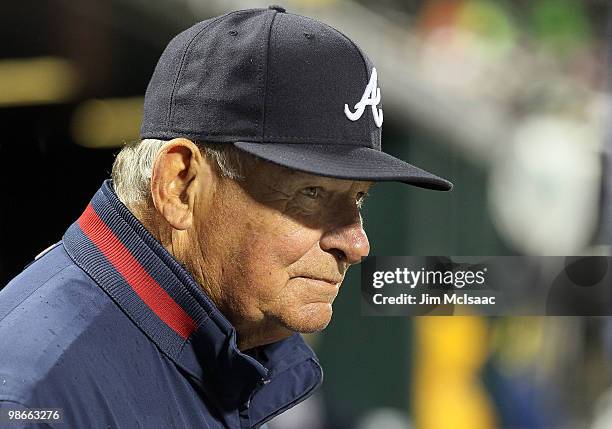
(345, 162)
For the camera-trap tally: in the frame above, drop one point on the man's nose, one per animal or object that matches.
(349, 239)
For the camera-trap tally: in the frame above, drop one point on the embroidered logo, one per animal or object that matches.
(370, 97)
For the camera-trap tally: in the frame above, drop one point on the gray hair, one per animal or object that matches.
(133, 167)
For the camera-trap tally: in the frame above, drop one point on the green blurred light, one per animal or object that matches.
(561, 25)
(491, 22)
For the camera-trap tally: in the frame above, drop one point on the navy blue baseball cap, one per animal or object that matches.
(283, 87)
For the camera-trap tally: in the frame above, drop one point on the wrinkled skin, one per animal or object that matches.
(271, 250)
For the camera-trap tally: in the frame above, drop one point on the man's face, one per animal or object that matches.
(276, 246)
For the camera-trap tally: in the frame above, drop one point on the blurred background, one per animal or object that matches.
(508, 99)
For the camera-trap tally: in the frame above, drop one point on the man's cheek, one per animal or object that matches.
(280, 250)
(266, 276)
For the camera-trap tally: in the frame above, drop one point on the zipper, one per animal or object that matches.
(243, 411)
(243, 415)
(305, 396)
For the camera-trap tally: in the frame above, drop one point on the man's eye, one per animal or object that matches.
(361, 196)
(313, 192)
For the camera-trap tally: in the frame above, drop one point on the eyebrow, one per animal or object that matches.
(368, 189)
(300, 180)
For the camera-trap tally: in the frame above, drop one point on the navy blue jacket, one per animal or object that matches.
(110, 328)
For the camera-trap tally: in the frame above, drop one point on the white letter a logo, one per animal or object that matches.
(370, 97)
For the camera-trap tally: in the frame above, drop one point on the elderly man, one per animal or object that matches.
(178, 297)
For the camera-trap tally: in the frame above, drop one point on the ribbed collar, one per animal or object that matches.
(164, 301)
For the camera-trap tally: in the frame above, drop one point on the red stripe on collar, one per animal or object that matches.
(153, 295)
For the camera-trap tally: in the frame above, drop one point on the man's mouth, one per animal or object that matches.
(328, 280)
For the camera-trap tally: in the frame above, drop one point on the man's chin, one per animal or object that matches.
(311, 318)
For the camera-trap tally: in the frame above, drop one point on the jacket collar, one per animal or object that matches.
(164, 301)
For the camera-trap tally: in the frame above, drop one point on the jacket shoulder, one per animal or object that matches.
(43, 311)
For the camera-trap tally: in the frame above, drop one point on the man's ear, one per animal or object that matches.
(175, 181)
